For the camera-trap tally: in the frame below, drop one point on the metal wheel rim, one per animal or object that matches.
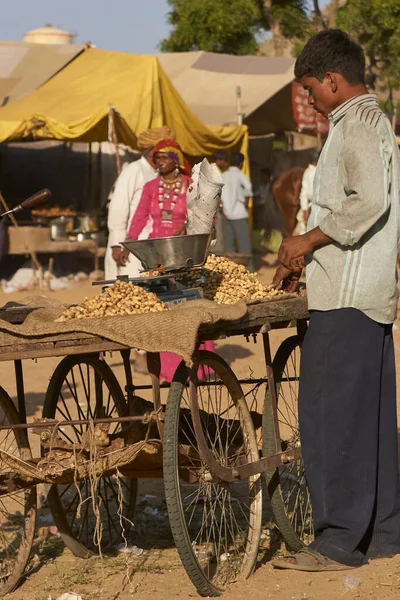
(224, 553)
(110, 496)
(293, 485)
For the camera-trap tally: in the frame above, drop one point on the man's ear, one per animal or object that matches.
(332, 81)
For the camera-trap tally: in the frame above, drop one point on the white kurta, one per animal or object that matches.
(306, 196)
(307, 187)
(123, 205)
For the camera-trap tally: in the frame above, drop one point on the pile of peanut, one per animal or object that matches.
(227, 282)
(121, 298)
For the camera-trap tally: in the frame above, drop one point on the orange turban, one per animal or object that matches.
(148, 139)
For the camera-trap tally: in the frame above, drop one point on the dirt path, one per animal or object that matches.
(157, 574)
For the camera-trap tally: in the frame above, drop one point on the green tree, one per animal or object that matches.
(234, 26)
(214, 25)
(376, 26)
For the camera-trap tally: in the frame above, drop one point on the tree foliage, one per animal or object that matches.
(376, 26)
(235, 26)
(231, 26)
(214, 25)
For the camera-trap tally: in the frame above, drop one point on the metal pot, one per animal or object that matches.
(83, 222)
(58, 229)
(170, 253)
(82, 236)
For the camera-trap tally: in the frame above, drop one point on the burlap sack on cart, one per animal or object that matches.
(173, 331)
(203, 197)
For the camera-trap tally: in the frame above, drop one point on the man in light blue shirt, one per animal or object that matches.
(235, 194)
(347, 395)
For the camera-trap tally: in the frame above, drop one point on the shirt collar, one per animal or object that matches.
(344, 108)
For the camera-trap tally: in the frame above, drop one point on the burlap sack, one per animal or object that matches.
(173, 331)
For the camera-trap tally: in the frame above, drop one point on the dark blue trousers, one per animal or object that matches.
(348, 427)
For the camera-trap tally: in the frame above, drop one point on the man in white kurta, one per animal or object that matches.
(124, 202)
(306, 195)
(123, 205)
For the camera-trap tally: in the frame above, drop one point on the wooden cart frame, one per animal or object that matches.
(216, 468)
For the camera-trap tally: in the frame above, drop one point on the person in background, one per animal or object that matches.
(124, 202)
(235, 195)
(306, 194)
(221, 159)
(164, 200)
(260, 197)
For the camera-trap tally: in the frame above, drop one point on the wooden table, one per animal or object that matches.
(27, 239)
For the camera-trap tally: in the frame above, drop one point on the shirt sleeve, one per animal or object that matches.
(119, 209)
(142, 213)
(246, 184)
(365, 164)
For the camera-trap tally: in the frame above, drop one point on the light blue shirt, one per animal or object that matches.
(356, 202)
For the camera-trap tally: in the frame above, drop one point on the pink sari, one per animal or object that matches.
(170, 362)
(149, 206)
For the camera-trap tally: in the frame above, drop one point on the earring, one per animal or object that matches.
(177, 172)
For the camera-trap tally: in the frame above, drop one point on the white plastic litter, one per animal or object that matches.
(224, 557)
(135, 550)
(58, 284)
(69, 596)
(81, 276)
(351, 583)
(23, 279)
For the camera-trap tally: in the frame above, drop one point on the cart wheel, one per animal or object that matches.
(17, 509)
(84, 387)
(216, 525)
(287, 486)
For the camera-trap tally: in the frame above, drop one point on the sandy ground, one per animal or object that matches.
(158, 573)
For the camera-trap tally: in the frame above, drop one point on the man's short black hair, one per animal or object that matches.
(220, 155)
(331, 50)
(237, 159)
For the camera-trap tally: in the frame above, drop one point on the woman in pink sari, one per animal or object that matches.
(164, 201)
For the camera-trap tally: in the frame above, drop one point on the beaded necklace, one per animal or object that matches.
(164, 194)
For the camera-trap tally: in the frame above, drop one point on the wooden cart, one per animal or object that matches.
(217, 456)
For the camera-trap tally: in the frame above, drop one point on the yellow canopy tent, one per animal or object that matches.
(74, 106)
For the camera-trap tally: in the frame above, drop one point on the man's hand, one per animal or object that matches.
(120, 255)
(291, 256)
(288, 278)
(293, 249)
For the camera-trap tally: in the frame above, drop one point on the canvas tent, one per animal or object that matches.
(74, 106)
(207, 83)
(24, 67)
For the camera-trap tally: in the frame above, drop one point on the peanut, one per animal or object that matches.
(121, 298)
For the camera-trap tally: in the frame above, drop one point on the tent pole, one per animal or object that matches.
(239, 105)
(394, 118)
(113, 135)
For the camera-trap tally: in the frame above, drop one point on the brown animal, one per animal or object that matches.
(286, 190)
